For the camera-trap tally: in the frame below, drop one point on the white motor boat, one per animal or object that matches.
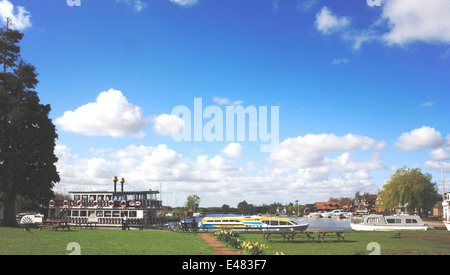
(326, 214)
(389, 223)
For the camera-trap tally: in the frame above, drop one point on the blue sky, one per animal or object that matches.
(362, 90)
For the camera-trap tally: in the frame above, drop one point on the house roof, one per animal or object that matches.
(328, 205)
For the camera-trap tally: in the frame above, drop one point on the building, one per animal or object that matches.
(368, 202)
(328, 206)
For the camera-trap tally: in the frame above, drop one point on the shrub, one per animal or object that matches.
(253, 248)
(229, 237)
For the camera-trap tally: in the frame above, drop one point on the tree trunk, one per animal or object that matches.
(9, 217)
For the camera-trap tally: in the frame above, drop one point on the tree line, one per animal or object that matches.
(407, 188)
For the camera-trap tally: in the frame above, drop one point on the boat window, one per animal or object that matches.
(266, 222)
(209, 221)
(108, 197)
(133, 214)
(116, 214)
(101, 197)
(107, 214)
(293, 223)
(284, 223)
(273, 222)
(90, 213)
(75, 213)
(411, 221)
(84, 197)
(394, 220)
(76, 197)
(92, 197)
(99, 213)
(373, 220)
(83, 213)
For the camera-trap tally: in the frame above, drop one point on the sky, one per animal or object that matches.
(345, 92)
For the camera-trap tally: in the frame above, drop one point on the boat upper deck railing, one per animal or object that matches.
(148, 204)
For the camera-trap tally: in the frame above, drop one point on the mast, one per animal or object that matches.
(443, 181)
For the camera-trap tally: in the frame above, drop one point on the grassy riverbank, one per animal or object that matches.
(14, 241)
(362, 243)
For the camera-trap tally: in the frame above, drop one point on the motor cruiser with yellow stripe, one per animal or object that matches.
(250, 222)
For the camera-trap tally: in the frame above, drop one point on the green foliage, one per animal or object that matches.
(410, 188)
(192, 203)
(229, 237)
(27, 134)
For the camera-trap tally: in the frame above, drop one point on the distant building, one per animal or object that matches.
(368, 202)
(327, 206)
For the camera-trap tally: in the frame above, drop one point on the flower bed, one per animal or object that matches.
(231, 239)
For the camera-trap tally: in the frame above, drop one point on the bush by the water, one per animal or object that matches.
(231, 239)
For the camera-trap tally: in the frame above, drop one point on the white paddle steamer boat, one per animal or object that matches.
(107, 208)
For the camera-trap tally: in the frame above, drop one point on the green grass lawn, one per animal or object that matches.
(356, 243)
(14, 241)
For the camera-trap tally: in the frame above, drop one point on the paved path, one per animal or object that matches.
(217, 246)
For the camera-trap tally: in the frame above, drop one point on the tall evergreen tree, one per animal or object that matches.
(27, 134)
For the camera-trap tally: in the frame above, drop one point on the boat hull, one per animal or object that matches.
(300, 227)
(251, 223)
(367, 227)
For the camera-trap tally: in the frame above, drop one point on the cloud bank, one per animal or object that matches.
(110, 115)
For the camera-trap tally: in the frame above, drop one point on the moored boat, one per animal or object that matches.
(389, 223)
(107, 208)
(251, 222)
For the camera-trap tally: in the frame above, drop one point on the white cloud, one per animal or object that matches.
(216, 179)
(19, 16)
(233, 150)
(401, 22)
(306, 5)
(137, 5)
(417, 20)
(327, 22)
(82, 173)
(226, 101)
(419, 138)
(168, 124)
(184, 2)
(441, 153)
(427, 104)
(111, 115)
(437, 167)
(310, 150)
